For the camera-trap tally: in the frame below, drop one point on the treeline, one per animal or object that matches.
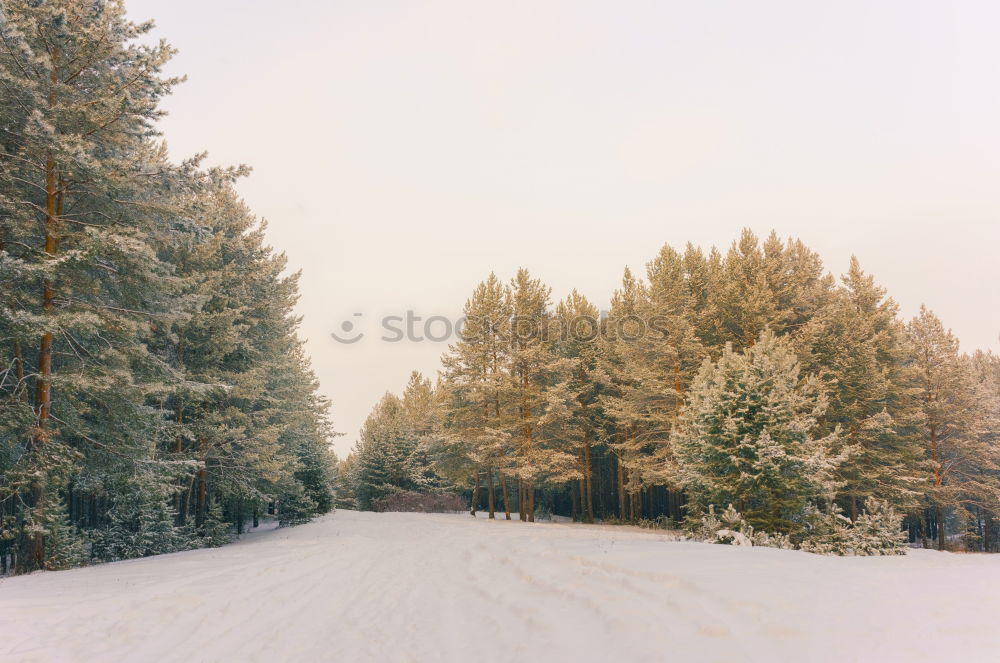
(750, 378)
(153, 394)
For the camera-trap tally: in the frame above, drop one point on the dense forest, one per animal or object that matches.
(749, 380)
(153, 393)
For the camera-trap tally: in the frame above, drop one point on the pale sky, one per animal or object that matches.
(403, 150)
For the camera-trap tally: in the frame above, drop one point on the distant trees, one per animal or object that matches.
(149, 369)
(749, 377)
(390, 456)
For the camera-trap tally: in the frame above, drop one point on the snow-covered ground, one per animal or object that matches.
(411, 587)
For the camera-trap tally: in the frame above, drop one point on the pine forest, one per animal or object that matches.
(457, 331)
(155, 396)
(749, 379)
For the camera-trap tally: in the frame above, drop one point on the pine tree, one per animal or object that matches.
(78, 180)
(140, 521)
(745, 304)
(746, 437)
(478, 392)
(982, 492)
(581, 420)
(246, 411)
(854, 346)
(147, 328)
(421, 414)
(530, 361)
(946, 397)
(641, 391)
(65, 545)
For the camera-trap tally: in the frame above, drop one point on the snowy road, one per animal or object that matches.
(410, 587)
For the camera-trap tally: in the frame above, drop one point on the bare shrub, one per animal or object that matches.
(419, 502)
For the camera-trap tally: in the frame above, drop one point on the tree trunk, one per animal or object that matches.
(521, 500)
(238, 516)
(574, 501)
(938, 481)
(490, 495)
(22, 392)
(32, 555)
(178, 449)
(202, 508)
(588, 490)
(186, 502)
(987, 532)
(529, 489)
(506, 496)
(475, 497)
(621, 488)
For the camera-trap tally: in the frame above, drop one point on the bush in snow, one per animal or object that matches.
(140, 523)
(64, 545)
(216, 530)
(730, 528)
(878, 530)
(660, 522)
(704, 527)
(420, 502)
(295, 507)
(875, 532)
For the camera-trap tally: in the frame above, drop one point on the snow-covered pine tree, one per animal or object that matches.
(77, 183)
(530, 365)
(642, 382)
(854, 346)
(982, 500)
(246, 412)
(377, 459)
(946, 398)
(396, 452)
(422, 417)
(140, 521)
(876, 531)
(477, 393)
(746, 437)
(957, 398)
(703, 274)
(778, 286)
(139, 289)
(744, 303)
(796, 279)
(65, 545)
(671, 354)
(579, 338)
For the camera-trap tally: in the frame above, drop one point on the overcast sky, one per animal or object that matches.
(403, 150)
